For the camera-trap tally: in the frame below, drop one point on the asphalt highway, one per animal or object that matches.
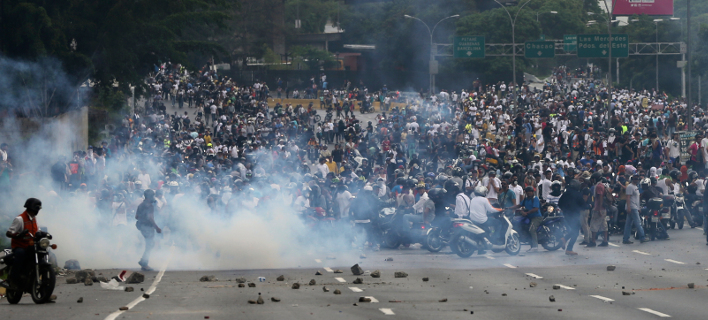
(651, 280)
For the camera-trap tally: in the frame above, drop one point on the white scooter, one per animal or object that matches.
(468, 237)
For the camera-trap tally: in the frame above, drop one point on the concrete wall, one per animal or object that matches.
(64, 133)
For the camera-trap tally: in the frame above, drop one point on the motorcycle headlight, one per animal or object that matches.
(44, 243)
(550, 209)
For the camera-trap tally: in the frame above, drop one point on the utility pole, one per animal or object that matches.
(688, 54)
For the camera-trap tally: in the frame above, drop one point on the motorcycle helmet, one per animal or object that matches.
(645, 183)
(529, 189)
(436, 194)
(596, 176)
(481, 191)
(400, 181)
(653, 180)
(441, 179)
(33, 204)
(452, 187)
(458, 172)
(674, 174)
(556, 185)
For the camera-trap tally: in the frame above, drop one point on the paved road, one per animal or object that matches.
(495, 286)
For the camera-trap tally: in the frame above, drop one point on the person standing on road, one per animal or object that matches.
(147, 226)
(569, 203)
(633, 211)
(531, 208)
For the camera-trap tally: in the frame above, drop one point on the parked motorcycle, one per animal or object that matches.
(39, 278)
(652, 217)
(549, 232)
(467, 237)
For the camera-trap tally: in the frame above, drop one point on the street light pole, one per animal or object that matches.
(432, 48)
(656, 23)
(539, 13)
(513, 43)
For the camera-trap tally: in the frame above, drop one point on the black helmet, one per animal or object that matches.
(149, 194)
(674, 174)
(452, 187)
(529, 189)
(441, 179)
(458, 172)
(574, 184)
(33, 204)
(436, 193)
(412, 182)
(400, 181)
(596, 176)
(653, 180)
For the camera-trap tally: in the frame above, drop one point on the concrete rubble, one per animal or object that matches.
(552, 298)
(88, 282)
(357, 270)
(207, 278)
(337, 291)
(313, 282)
(135, 277)
(81, 299)
(400, 274)
(280, 278)
(129, 289)
(376, 274)
(251, 285)
(425, 279)
(274, 299)
(325, 289)
(358, 281)
(296, 285)
(533, 284)
(611, 268)
(364, 299)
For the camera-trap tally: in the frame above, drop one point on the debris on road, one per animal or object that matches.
(81, 275)
(260, 299)
(72, 265)
(358, 281)
(533, 284)
(280, 278)
(425, 279)
(101, 279)
(129, 289)
(240, 280)
(337, 291)
(325, 289)
(207, 279)
(146, 296)
(364, 299)
(395, 301)
(338, 271)
(556, 287)
(376, 274)
(53, 297)
(313, 282)
(357, 270)
(135, 277)
(503, 294)
(71, 281)
(296, 285)
(241, 285)
(626, 293)
(552, 298)
(251, 301)
(611, 268)
(691, 285)
(318, 273)
(443, 300)
(88, 282)
(251, 285)
(400, 274)
(389, 259)
(123, 308)
(81, 300)
(274, 299)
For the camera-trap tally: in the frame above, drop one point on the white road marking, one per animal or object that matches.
(534, 275)
(509, 266)
(387, 311)
(328, 269)
(318, 260)
(150, 290)
(373, 300)
(355, 289)
(340, 279)
(654, 312)
(565, 287)
(640, 252)
(614, 245)
(490, 257)
(674, 261)
(605, 299)
(699, 228)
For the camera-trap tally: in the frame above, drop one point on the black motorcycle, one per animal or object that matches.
(396, 233)
(39, 278)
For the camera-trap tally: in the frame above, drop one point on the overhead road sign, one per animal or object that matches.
(570, 42)
(640, 7)
(540, 49)
(598, 46)
(468, 47)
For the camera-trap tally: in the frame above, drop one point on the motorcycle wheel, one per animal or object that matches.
(553, 235)
(461, 247)
(42, 292)
(680, 222)
(513, 244)
(433, 241)
(390, 240)
(14, 296)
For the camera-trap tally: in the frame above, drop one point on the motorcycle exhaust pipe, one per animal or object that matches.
(487, 245)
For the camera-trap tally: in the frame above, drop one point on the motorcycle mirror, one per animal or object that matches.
(54, 247)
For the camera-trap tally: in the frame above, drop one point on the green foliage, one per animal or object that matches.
(314, 58)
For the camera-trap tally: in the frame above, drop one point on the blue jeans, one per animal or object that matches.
(148, 233)
(573, 226)
(633, 218)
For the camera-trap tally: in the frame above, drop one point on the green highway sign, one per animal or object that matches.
(539, 49)
(468, 47)
(570, 42)
(597, 46)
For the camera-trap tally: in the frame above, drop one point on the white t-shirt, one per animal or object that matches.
(496, 182)
(344, 200)
(479, 207)
(145, 179)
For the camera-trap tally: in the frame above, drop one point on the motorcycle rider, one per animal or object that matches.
(21, 231)
(650, 190)
(479, 208)
(531, 208)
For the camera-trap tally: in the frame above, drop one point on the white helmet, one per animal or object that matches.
(646, 181)
(481, 191)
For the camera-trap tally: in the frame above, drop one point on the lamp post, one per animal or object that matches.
(609, 38)
(656, 24)
(513, 41)
(540, 13)
(432, 48)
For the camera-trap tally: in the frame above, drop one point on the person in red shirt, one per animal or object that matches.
(21, 232)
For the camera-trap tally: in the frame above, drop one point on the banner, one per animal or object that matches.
(648, 7)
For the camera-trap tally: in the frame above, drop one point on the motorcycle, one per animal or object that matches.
(695, 207)
(395, 233)
(549, 232)
(438, 236)
(467, 237)
(372, 230)
(39, 278)
(652, 217)
(682, 212)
